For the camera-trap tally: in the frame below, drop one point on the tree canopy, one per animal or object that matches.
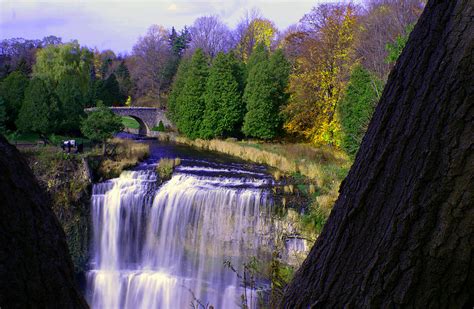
(101, 124)
(40, 110)
(12, 90)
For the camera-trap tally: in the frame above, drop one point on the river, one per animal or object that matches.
(166, 245)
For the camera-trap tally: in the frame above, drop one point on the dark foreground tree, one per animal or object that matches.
(36, 270)
(401, 233)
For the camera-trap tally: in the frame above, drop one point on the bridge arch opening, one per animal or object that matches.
(143, 128)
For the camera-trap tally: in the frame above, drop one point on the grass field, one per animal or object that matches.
(131, 123)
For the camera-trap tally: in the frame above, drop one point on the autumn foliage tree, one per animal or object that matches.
(321, 67)
(252, 31)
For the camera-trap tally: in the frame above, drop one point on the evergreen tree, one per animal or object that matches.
(72, 103)
(123, 78)
(223, 100)
(260, 54)
(356, 108)
(39, 112)
(265, 93)
(173, 111)
(109, 91)
(12, 90)
(3, 117)
(191, 100)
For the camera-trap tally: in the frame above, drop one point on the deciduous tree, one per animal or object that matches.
(251, 31)
(151, 70)
(101, 125)
(321, 69)
(56, 61)
(211, 35)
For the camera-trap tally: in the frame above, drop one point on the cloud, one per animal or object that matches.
(172, 7)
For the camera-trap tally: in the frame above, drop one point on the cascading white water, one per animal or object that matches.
(165, 247)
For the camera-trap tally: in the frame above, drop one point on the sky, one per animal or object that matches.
(116, 25)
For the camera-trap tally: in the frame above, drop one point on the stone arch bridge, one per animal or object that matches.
(147, 117)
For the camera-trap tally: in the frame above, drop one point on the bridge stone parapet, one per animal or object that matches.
(147, 117)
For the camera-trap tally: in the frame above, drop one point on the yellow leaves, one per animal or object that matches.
(259, 31)
(319, 80)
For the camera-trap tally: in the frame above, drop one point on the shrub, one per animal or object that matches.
(166, 166)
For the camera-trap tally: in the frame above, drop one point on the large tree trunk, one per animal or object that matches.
(402, 231)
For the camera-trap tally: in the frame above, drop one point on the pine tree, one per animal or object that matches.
(191, 100)
(173, 110)
(109, 91)
(39, 112)
(265, 94)
(223, 99)
(123, 78)
(356, 108)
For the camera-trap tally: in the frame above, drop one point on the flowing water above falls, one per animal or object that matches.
(165, 246)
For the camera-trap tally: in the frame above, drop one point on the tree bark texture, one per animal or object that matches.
(35, 267)
(401, 233)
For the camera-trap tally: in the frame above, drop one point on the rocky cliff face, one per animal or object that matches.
(35, 267)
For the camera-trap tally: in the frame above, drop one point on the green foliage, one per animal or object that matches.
(265, 94)
(108, 91)
(166, 166)
(71, 104)
(356, 108)
(177, 88)
(56, 61)
(161, 127)
(395, 48)
(123, 78)
(224, 107)
(3, 117)
(40, 110)
(101, 124)
(190, 102)
(179, 42)
(12, 90)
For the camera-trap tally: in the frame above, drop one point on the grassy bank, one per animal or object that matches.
(123, 154)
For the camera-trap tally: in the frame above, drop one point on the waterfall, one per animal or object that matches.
(164, 247)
